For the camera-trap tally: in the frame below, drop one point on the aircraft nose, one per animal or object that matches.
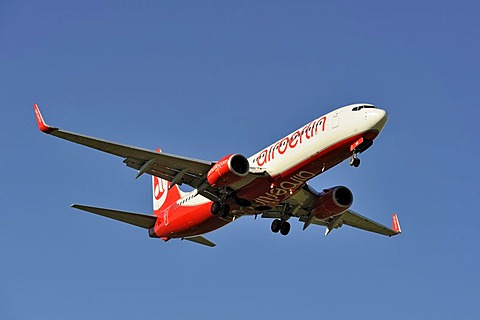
(379, 117)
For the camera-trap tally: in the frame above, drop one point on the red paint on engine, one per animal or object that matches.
(327, 206)
(222, 174)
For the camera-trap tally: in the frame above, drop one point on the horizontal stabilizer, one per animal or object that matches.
(201, 240)
(136, 219)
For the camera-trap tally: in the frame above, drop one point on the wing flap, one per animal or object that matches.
(136, 219)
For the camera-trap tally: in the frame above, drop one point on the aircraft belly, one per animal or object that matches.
(184, 221)
(209, 225)
(270, 191)
(263, 192)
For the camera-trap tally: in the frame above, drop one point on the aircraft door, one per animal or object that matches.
(336, 119)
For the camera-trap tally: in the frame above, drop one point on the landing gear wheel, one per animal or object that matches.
(215, 208)
(285, 228)
(224, 211)
(276, 225)
(354, 161)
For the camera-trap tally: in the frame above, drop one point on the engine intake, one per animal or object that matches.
(228, 170)
(332, 202)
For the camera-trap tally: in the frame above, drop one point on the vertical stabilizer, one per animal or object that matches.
(163, 194)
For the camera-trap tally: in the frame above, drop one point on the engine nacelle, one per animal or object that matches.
(228, 170)
(332, 202)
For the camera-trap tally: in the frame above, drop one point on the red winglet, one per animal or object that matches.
(396, 224)
(41, 123)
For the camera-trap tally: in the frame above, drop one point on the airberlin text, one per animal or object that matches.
(277, 194)
(297, 138)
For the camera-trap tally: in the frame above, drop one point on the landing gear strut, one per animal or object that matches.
(282, 226)
(359, 146)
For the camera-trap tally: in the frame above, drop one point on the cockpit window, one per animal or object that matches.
(361, 107)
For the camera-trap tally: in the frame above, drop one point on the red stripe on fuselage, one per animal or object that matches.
(330, 156)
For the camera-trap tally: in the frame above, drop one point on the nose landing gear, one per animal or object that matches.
(354, 160)
(358, 147)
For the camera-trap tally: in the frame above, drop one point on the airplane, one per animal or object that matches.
(272, 183)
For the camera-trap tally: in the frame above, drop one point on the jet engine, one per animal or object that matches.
(228, 170)
(332, 202)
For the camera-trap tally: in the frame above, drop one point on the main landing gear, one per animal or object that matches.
(354, 160)
(221, 209)
(358, 147)
(282, 226)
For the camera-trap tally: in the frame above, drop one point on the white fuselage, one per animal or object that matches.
(318, 135)
(310, 140)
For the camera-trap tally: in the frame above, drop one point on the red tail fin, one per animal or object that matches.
(163, 195)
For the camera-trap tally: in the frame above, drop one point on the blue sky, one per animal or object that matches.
(205, 79)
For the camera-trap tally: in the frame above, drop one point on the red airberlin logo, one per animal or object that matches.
(160, 191)
(284, 189)
(297, 138)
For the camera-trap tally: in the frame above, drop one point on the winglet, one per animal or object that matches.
(396, 224)
(40, 122)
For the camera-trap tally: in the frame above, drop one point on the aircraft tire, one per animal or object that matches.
(276, 225)
(215, 208)
(356, 163)
(285, 228)
(224, 211)
(351, 162)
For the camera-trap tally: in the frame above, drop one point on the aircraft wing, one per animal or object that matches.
(356, 220)
(353, 219)
(299, 206)
(170, 167)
